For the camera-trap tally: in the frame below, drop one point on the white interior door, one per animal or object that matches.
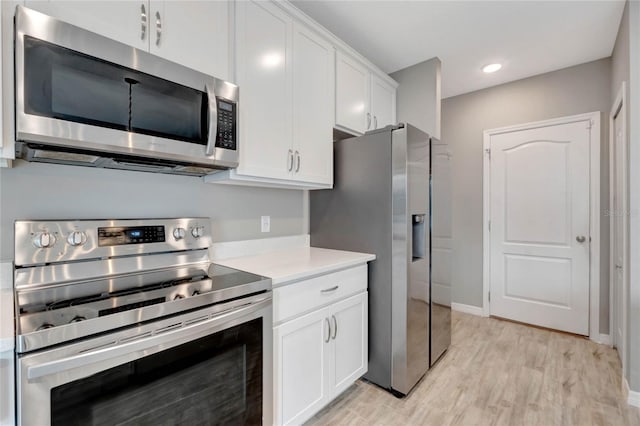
(539, 216)
(619, 232)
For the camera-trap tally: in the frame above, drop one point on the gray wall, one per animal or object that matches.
(43, 191)
(418, 96)
(575, 90)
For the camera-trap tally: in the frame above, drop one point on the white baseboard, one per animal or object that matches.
(467, 309)
(603, 339)
(633, 397)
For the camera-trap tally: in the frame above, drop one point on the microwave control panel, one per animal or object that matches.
(226, 135)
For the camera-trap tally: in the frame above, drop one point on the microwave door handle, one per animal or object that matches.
(213, 120)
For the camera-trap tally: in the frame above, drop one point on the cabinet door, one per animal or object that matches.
(300, 351)
(313, 101)
(350, 338)
(264, 76)
(192, 33)
(383, 103)
(118, 20)
(352, 94)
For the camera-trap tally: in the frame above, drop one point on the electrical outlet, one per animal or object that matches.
(265, 223)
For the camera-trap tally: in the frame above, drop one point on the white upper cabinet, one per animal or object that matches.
(352, 94)
(192, 33)
(383, 103)
(263, 53)
(364, 101)
(285, 71)
(313, 100)
(125, 21)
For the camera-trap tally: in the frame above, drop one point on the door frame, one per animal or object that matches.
(593, 119)
(619, 107)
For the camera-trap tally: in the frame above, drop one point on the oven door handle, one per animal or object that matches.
(213, 120)
(164, 339)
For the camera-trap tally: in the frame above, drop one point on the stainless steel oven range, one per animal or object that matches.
(127, 322)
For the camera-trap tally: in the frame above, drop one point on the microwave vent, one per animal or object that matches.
(195, 170)
(65, 156)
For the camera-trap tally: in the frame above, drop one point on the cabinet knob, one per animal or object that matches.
(368, 121)
(297, 161)
(375, 122)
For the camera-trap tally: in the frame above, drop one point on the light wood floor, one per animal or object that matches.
(499, 373)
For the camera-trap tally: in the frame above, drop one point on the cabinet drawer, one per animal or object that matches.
(305, 296)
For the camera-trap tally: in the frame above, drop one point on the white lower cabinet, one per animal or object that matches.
(318, 355)
(350, 341)
(301, 352)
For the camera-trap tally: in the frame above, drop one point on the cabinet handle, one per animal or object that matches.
(368, 121)
(289, 160)
(329, 290)
(298, 162)
(328, 330)
(375, 122)
(335, 327)
(143, 22)
(158, 28)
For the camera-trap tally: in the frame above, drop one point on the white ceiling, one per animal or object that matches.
(527, 37)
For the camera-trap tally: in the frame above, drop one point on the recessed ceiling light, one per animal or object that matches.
(491, 68)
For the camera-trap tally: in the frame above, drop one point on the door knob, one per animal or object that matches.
(581, 238)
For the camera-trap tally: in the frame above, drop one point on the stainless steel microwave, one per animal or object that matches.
(84, 99)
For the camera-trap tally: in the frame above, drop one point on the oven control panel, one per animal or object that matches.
(118, 236)
(47, 241)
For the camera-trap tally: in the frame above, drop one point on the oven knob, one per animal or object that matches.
(77, 318)
(44, 240)
(197, 231)
(195, 292)
(178, 233)
(178, 297)
(77, 238)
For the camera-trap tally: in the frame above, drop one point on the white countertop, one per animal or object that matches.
(293, 264)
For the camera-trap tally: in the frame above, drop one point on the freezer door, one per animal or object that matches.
(410, 264)
(441, 249)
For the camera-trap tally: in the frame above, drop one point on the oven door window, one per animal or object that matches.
(213, 380)
(63, 84)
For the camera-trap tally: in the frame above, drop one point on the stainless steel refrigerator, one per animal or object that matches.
(391, 197)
